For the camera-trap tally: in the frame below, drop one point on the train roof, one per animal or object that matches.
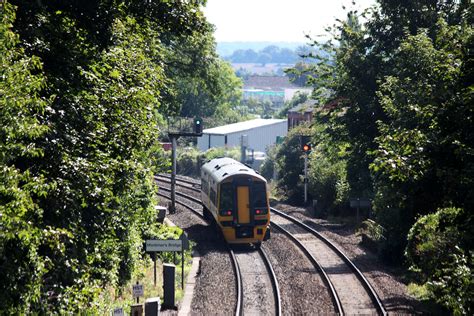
(222, 168)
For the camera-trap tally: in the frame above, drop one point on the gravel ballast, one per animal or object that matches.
(302, 289)
(392, 291)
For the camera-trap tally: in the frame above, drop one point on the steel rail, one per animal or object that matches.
(325, 277)
(183, 204)
(274, 280)
(162, 175)
(239, 310)
(370, 290)
(186, 196)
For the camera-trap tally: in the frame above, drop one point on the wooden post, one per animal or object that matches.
(154, 268)
(182, 268)
(173, 175)
(138, 297)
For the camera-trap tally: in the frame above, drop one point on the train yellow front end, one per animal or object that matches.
(235, 197)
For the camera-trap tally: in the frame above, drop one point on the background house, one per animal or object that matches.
(277, 89)
(303, 112)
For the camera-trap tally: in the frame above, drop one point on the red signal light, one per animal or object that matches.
(258, 211)
(229, 213)
(305, 143)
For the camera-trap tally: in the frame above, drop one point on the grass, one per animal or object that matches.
(418, 291)
(123, 298)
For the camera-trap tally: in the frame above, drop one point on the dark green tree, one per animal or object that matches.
(76, 192)
(289, 164)
(400, 91)
(22, 263)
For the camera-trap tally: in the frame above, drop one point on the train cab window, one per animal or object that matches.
(205, 186)
(259, 194)
(226, 198)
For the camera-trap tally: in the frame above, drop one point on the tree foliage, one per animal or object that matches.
(269, 54)
(435, 250)
(398, 88)
(84, 89)
(289, 164)
(22, 263)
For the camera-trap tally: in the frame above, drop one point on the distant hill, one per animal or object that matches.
(225, 49)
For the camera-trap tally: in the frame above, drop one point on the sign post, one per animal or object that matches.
(184, 246)
(358, 203)
(173, 245)
(138, 291)
(153, 254)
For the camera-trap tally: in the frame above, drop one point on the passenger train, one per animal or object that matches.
(234, 196)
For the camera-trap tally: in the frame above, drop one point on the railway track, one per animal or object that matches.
(257, 273)
(192, 184)
(350, 290)
(256, 283)
(335, 298)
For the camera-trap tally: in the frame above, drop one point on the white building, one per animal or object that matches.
(261, 133)
(290, 93)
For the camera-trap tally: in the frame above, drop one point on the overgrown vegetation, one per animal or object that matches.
(189, 160)
(84, 88)
(395, 126)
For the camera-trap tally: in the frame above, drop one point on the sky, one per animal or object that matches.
(274, 20)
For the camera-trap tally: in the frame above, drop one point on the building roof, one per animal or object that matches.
(274, 83)
(241, 126)
(307, 106)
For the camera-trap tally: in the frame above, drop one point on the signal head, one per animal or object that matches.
(198, 125)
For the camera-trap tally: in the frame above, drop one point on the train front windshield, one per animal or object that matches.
(258, 196)
(227, 197)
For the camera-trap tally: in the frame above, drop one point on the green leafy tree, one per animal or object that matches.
(327, 169)
(403, 86)
(77, 192)
(22, 263)
(436, 253)
(361, 74)
(420, 162)
(290, 165)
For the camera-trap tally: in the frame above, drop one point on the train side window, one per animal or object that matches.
(213, 196)
(259, 193)
(226, 198)
(205, 186)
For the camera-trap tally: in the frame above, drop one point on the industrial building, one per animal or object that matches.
(256, 134)
(276, 89)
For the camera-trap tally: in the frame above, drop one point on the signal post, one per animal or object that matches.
(306, 148)
(197, 132)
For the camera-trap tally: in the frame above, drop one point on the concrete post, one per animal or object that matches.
(152, 306)
(136, 310)
(168, 285)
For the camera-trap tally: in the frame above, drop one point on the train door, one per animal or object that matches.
(243, 204)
